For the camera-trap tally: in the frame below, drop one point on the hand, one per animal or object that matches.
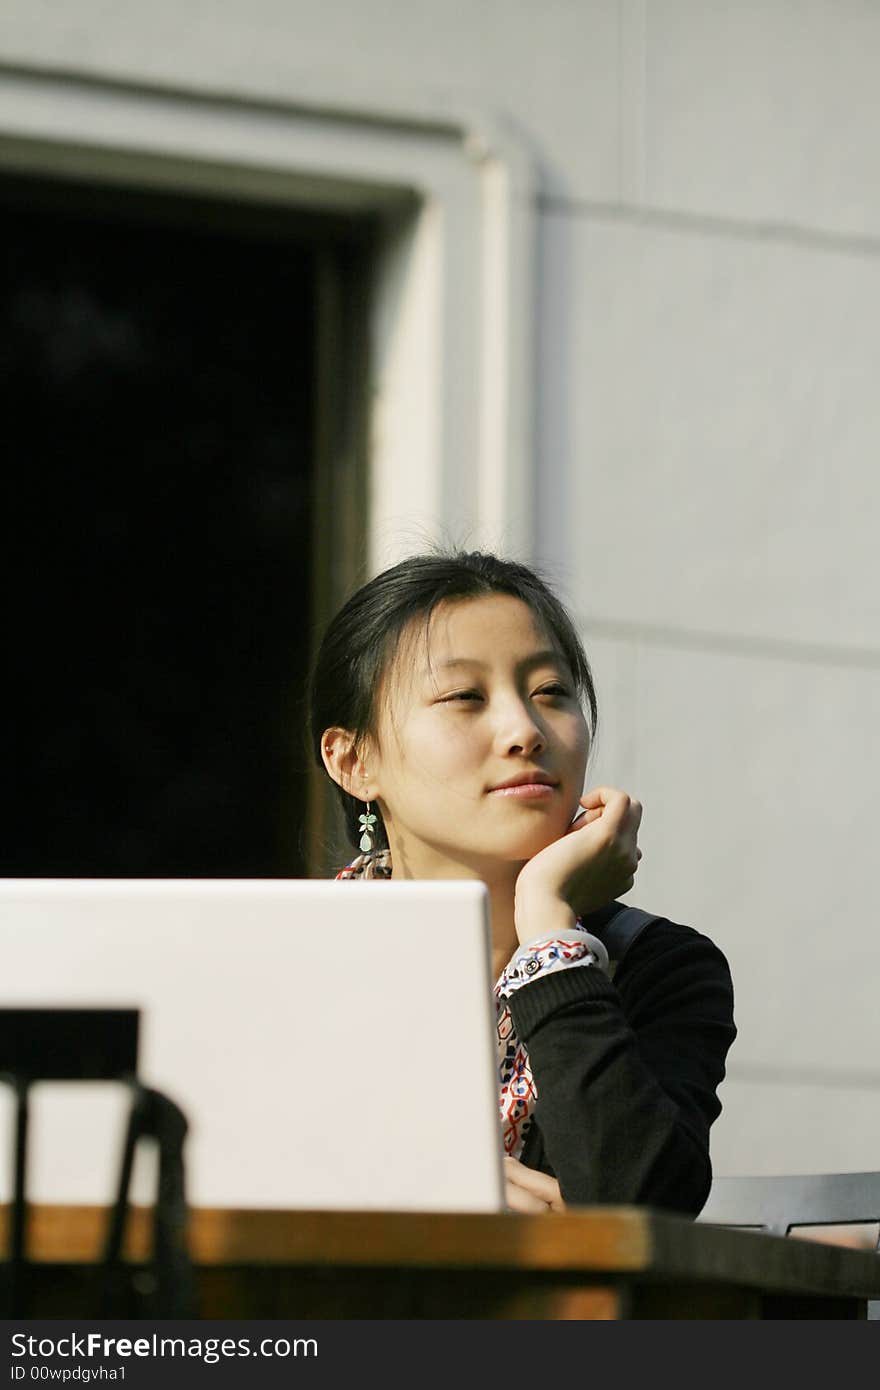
(528, 1190)
(593, 863)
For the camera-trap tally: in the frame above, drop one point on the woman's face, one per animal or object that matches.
(485, 699)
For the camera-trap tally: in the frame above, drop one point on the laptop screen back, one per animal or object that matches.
(332, 1044)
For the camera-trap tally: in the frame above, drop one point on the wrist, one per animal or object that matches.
(540, 915)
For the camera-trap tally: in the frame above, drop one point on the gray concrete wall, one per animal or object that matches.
(708, 424)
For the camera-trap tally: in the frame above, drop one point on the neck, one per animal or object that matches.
(499, 879)
(504, 938)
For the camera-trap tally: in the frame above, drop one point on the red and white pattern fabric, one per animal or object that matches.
(376, 864)
(563, 951)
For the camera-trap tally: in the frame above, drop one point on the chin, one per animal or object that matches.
(525, 846)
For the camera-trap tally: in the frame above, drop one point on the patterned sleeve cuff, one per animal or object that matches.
(561, 951)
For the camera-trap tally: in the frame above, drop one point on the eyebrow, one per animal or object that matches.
(536, 659)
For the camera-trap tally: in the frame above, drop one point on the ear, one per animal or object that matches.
(345, 764)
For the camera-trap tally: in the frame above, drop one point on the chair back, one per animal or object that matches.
(799, 1199)
(99, 1045)
(782, 1204)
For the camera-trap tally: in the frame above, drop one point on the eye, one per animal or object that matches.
(552, 690)
(461, 695)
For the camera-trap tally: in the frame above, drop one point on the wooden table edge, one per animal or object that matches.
(595, 1238)
(613, 1241)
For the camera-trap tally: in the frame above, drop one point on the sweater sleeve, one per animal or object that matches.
(627, 1071)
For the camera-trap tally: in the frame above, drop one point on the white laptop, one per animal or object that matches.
(332, 1044)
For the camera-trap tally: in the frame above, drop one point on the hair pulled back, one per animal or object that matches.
(361, 642)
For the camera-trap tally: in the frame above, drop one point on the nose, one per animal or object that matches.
(518, 730)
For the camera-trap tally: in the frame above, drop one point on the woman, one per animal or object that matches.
(453, 706)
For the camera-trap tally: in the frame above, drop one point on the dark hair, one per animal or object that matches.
(363, 637)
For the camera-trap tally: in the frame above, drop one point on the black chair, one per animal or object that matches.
(783, 1204)
(100, 1045)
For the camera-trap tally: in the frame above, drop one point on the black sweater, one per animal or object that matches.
(626, 1072)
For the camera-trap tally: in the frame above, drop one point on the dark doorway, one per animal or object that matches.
(158, 388)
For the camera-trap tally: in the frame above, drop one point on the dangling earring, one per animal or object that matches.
(367, 822)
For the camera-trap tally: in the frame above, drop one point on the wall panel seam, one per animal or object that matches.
(732, 644)
(704, 224)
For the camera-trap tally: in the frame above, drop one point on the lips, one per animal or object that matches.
(527, 779)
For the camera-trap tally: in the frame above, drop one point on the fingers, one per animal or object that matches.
(613, 802)
(538, 1187)
(615, 805)
(518, 1199)
(607, 796)
(622, 816)
(583, 818)
(599, 796)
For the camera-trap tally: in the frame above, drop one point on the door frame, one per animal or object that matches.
(450, 406)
